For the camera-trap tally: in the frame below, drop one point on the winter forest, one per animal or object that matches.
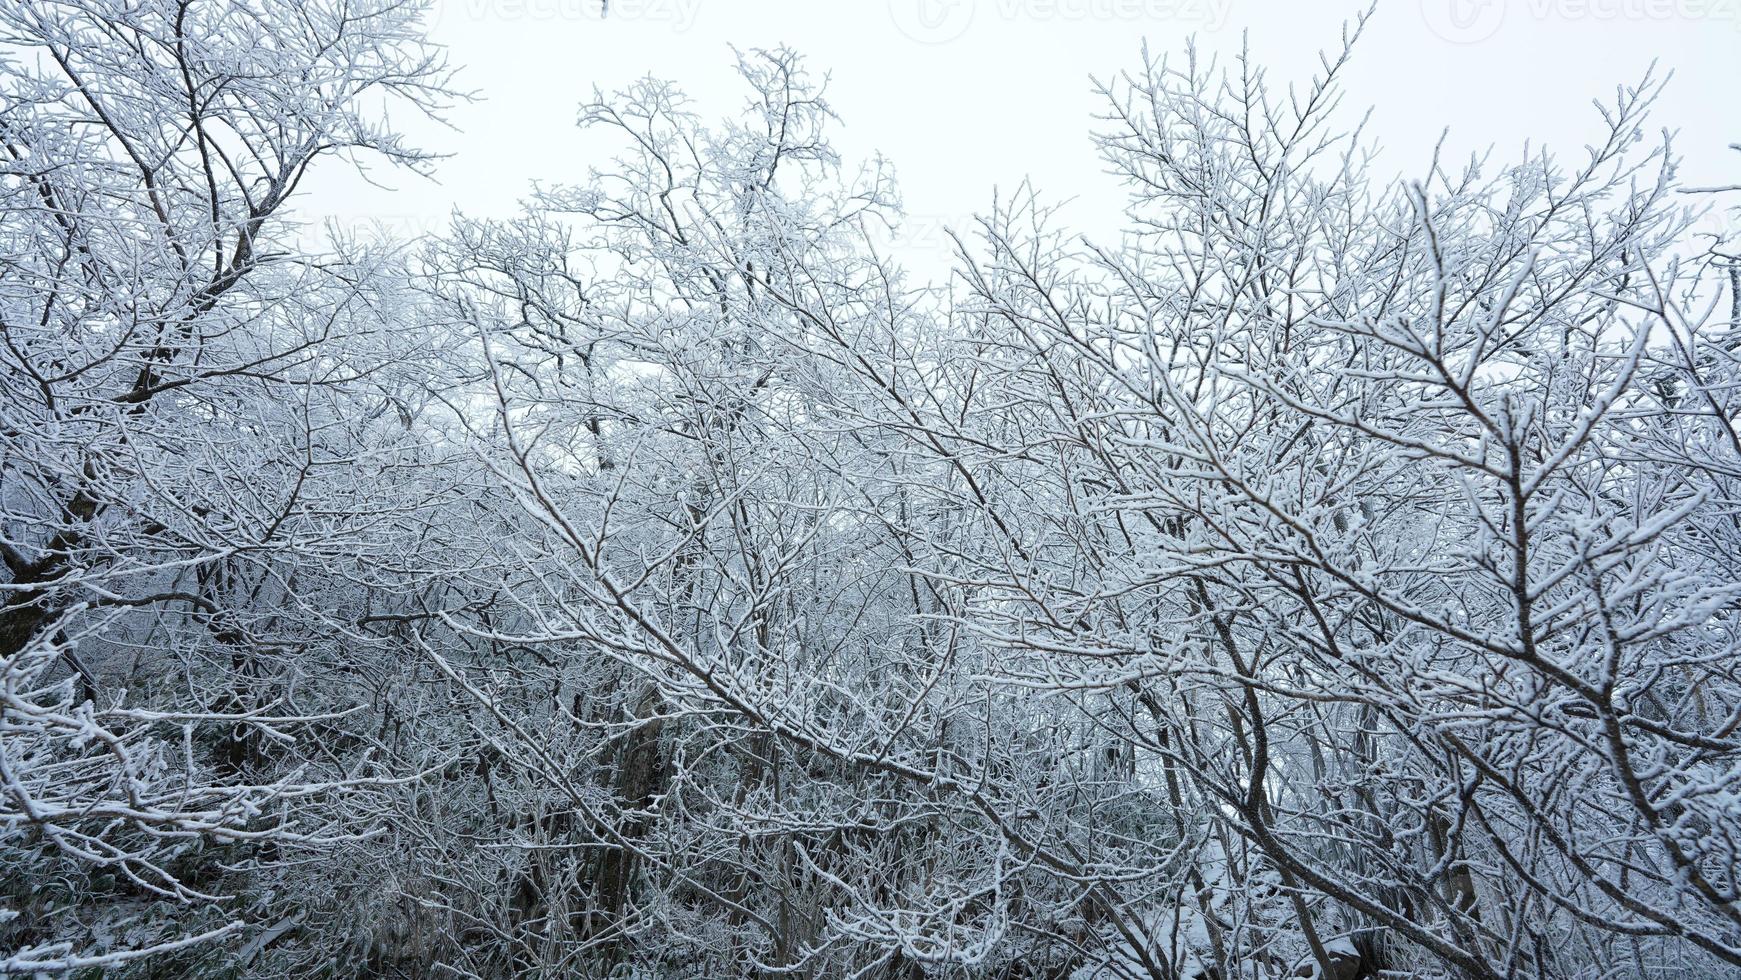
(1336, 575)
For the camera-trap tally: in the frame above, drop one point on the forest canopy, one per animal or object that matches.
(1337, 576)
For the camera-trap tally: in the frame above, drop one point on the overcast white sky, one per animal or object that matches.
(965, 95)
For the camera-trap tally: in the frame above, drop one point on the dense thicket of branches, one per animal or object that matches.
(1336, 576)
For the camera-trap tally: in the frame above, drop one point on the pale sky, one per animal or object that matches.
(967, 95)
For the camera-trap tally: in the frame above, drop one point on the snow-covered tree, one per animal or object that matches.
(194, 411)
(1334, 576)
